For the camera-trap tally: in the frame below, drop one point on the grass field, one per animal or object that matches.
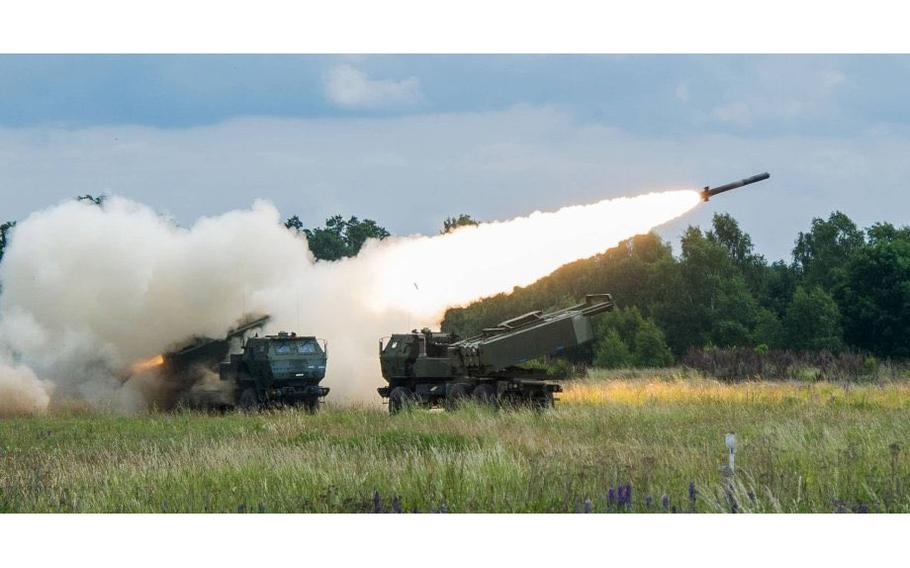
(800, 448)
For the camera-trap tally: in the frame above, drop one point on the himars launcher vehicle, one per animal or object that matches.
(285, 368)
(431, 369)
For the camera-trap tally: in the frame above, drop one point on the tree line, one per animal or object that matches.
(843, 289)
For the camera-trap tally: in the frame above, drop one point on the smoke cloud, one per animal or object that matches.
(88, 290)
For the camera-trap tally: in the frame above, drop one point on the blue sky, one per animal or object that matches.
(408, 140)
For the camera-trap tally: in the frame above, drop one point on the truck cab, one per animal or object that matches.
(285, 368)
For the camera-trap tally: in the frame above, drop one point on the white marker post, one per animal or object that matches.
(731, 445)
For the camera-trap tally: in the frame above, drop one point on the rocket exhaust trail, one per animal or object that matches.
(89, 290)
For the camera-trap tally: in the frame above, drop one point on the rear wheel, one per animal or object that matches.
(399, 399)
(543, 401)
(458, 393)
(248, 401)
(485, 394)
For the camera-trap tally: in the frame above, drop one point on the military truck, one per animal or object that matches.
(431, 369)
(254, 371)
(285, 368)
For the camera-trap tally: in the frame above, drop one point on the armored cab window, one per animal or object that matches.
(307, 347)
(282, 348)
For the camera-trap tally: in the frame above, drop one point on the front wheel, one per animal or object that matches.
(311, 404)
(399, 399)
(248, 401)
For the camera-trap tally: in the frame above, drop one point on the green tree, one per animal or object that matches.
(705, 298)
(452, 223)
(650, 347)
(769, 330)
(89, 198)
(875, 297)
(5, 230)
(625, 338)
(294, 223)
(726, 232)
(813, 321)
(821, 255)
(611, 352)
(339, 238)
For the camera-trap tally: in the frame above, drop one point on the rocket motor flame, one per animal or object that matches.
(144, 365)
(78, 279)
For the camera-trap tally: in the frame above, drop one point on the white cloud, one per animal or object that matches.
(783, 89)
(682, 92)
(349, 87)
(410, 172)
(737, 113)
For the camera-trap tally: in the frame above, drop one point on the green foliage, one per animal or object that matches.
(819, 255)
(708, 300)
(5, 230)
(452, 223)
(875, 295)
(91, 199)
(650, 347)
(813, 321)
(339, 238)
(626, 339)
(611, 352)
(769, 330)
(842, 289)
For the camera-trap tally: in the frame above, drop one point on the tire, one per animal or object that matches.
(543, 401)
(458, 394)
(311, 404)
(399, 399)
(485, 394)
(248, 401)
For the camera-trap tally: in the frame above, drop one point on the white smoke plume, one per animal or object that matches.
(88, 290)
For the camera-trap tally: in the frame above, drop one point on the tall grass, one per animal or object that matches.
(615, 442)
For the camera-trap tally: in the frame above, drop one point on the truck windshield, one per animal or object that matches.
(307, 346)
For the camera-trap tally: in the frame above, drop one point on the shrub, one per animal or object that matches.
(612, 352)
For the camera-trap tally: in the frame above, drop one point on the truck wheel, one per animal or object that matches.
(458, 393)
(544, 401)
(485, 394)
(248, 400)
(311, 404)
(399, 398)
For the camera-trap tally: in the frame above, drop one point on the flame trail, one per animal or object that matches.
(148, 364)
(87, 289)
(478, 261)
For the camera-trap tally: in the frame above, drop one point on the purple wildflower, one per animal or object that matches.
(611, 496)
(665, 502)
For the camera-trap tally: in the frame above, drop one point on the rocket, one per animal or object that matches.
(707, 193)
